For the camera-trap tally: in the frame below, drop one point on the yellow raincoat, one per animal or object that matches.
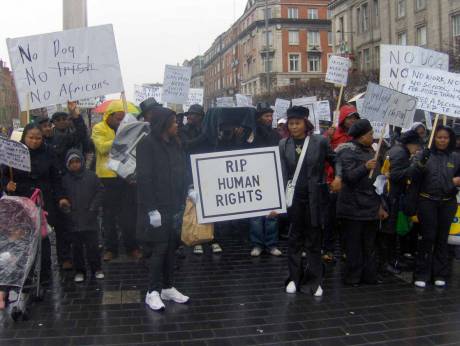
(103, 137)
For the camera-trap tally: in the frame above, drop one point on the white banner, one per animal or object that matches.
(176, 84)
(195, 97)
(243, 100)
(337, 70)
(238, 184)
(225, 102)
(323, 110)
(65, 66)
(14, 154)
(142, 93)
(310, 103)
(396, 60)
(388, 106)
(436, 91)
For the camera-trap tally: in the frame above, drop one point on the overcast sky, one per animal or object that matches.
(149, 33)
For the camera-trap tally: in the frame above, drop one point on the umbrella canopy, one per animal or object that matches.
(102, 108)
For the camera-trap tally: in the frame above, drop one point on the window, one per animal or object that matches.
(456, 26)
(268, 13)
(364, 18)
(270, 65)
(329, 38)
(293, 37)
(377, 55)
(270, 38)
(329, 14)
(294, 62)
(421, 36)
(376, 8)
(293, 13)
(401, 8)
(313, 40)
(402, 39)
(312, 13)
(366, 59)
(420, 5)
(314, 64)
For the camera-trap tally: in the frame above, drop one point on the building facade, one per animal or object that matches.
(297, 44)
(196, 64)
(360, 26)
(9, 105)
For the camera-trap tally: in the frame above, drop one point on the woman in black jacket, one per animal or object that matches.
(358, 204)
(161, 186)
(438, 175)
(44, 175)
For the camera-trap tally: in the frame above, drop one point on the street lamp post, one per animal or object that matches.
(267, 44)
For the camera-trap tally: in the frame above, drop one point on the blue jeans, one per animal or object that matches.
(263, 232)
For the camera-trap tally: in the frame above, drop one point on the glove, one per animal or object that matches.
(155, 218)
(425, 156)
(193, 195)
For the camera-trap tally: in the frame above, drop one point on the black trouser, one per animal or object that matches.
(60, 222)
(119, 212)
(433, 252)
(86, 241)
(45, 265)
(360, 249)
(161, 259)
(331, 227)
(304, 237)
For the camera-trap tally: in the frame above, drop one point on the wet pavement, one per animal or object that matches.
(237, 300)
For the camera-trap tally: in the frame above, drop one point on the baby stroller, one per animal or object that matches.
(20, 254)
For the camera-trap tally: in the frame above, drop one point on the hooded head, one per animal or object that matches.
(74, 161)
(420, 128)
(161, 122)
(411, 140)
(114, 114)
(348, 116)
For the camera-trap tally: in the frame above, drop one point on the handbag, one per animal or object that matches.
(194, 233)
(290, 188)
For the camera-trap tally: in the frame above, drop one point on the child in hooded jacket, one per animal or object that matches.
(86, 193)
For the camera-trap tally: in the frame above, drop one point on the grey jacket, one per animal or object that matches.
(318, 153)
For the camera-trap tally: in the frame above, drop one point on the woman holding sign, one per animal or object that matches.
(303, 157)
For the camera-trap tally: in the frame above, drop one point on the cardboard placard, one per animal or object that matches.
(337, 70)
(142, 93)
(14, 154)
(176, 84)
(243, 100)
(225, 102)
(323, 110)
(195, 97)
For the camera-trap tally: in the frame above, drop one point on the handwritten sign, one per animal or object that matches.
(14, 154)
(243, 100)
(337, 70)
(195, 97)
(176, 84)
(238, 184)
(436, 91)
(65, 66)
(395, 62)
(323, 110)
(310, 103)
(388, 106)
(91, 102)
(280, 111)
(225, 102)
(142, 93)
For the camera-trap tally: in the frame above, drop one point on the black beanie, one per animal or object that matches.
(360, 128)
(410, 137)
(298, 112)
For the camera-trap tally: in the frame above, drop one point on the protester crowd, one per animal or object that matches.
(379, 214)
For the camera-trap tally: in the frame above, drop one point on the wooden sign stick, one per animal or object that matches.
(436, 119)
(339, 102)
(444, 120)
(379, 146)
(125, 104)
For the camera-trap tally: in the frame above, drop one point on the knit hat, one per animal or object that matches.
(348, 111)
(298, 112)
(74, 154)
(195, 109)
(263, 108)
(410, 137)
(360, 128)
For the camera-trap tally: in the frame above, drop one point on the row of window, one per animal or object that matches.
(421, 39)
(293, 13)
(313, 38)
(314, 63)
(401, 6)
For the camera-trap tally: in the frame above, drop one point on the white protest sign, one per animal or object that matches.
(396, 60)
(359, 105)
(310, 103)
(337, 70)
(65, 66)
(176, 84)
(388, 106)
(436, 91)
(323, 110)
(195, 97)
(281, 107)
(243, 100)
(378, 127)
(238, 184)
(14, 154)
(50, 110)
(142, 93)
(225, 102)
(88, 103)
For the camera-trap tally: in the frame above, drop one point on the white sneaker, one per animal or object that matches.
(440, 283)
(319, 292)
(174, 295)
(99, 275)
(154, 301)
(216, 248)
(420, 284)
(198, 250)
(275, 252)
(291, 288)
(79, 277)
(256, 251)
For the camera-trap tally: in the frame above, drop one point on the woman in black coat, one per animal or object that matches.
(44, 175)
(358, 205)
(161, 175)
(305, 213)
(438, 175)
